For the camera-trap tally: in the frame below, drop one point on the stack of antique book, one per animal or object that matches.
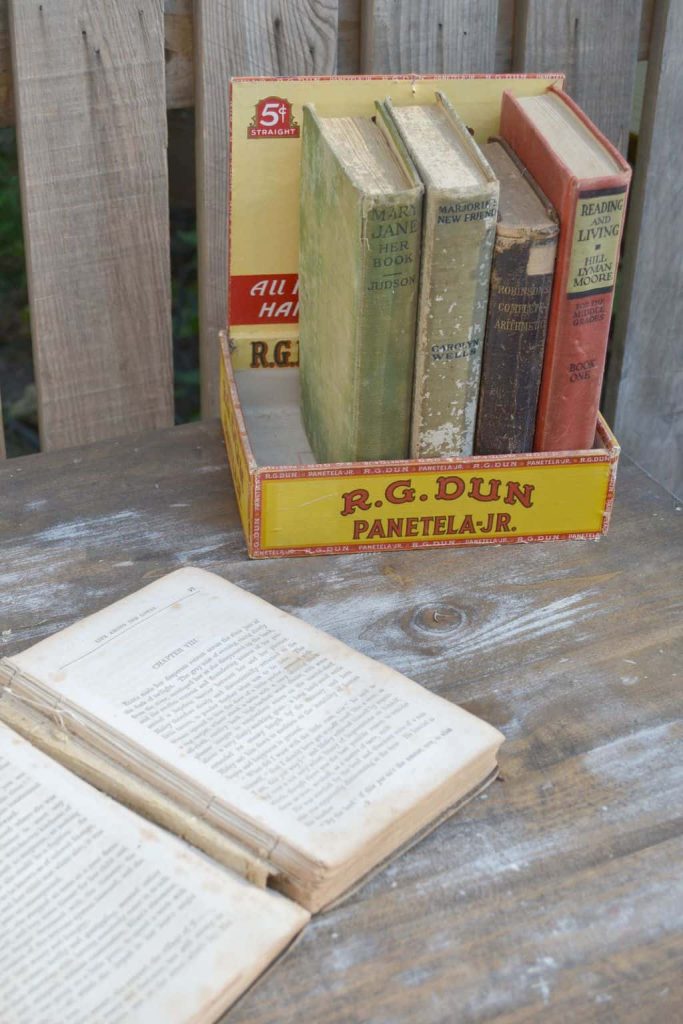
(456, 299)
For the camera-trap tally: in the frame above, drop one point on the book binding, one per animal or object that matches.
(517, 319)
(591, 214)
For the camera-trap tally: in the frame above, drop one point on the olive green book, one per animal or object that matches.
(360, 232)
(459, 227)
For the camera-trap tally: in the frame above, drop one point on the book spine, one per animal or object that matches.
(456, 264)
(591, 216)
(581, 306)
(517, 320)
(125, 787)
(358, 273)
(385, 339)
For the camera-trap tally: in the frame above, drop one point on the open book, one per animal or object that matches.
(294, 761)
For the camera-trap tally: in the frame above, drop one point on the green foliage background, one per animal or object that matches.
(16, 362)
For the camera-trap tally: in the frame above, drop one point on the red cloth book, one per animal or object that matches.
(586, 179)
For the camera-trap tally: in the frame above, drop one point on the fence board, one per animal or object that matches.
(401, 36)
(89, 89)
(647, 330)
(506, 18)
(348, 45)
(240, 37)
(179, 70)
(178, 47)
(595, 43)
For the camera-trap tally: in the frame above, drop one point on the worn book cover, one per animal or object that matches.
(361, 216)
(587, 180)
(461, 203)
(519, 300)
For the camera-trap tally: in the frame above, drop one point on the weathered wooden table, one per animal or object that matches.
(557, 895)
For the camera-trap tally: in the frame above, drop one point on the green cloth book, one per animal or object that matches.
(361, 209)
(459, 227)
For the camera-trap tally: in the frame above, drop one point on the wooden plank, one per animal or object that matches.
(556, 896)
(504, 36)
(595, 43)
(646, 373)
(348, 42)
(449, 943)
(646, 29)
(179, 70)
(240, 38)
(178, 51)
(401, 36)
(89, 88)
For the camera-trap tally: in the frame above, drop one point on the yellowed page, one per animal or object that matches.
(107, 918)
(257, 711)
(133, 792)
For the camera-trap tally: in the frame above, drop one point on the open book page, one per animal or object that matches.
(131, 790)
(107, 918)
(306, 738)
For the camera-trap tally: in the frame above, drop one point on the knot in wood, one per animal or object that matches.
(439, 618)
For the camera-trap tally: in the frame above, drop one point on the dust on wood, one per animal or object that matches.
(552, 896)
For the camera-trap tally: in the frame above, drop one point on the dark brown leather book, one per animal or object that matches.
(519, 300)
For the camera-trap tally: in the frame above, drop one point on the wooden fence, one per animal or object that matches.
(88, 86)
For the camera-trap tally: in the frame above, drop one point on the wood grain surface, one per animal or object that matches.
(449, 36)
(557, 895)
(89, 89)
(178, 53)
(348, 37)
(595, 44)
(249, 37)
(179, 59)
(647, 351)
